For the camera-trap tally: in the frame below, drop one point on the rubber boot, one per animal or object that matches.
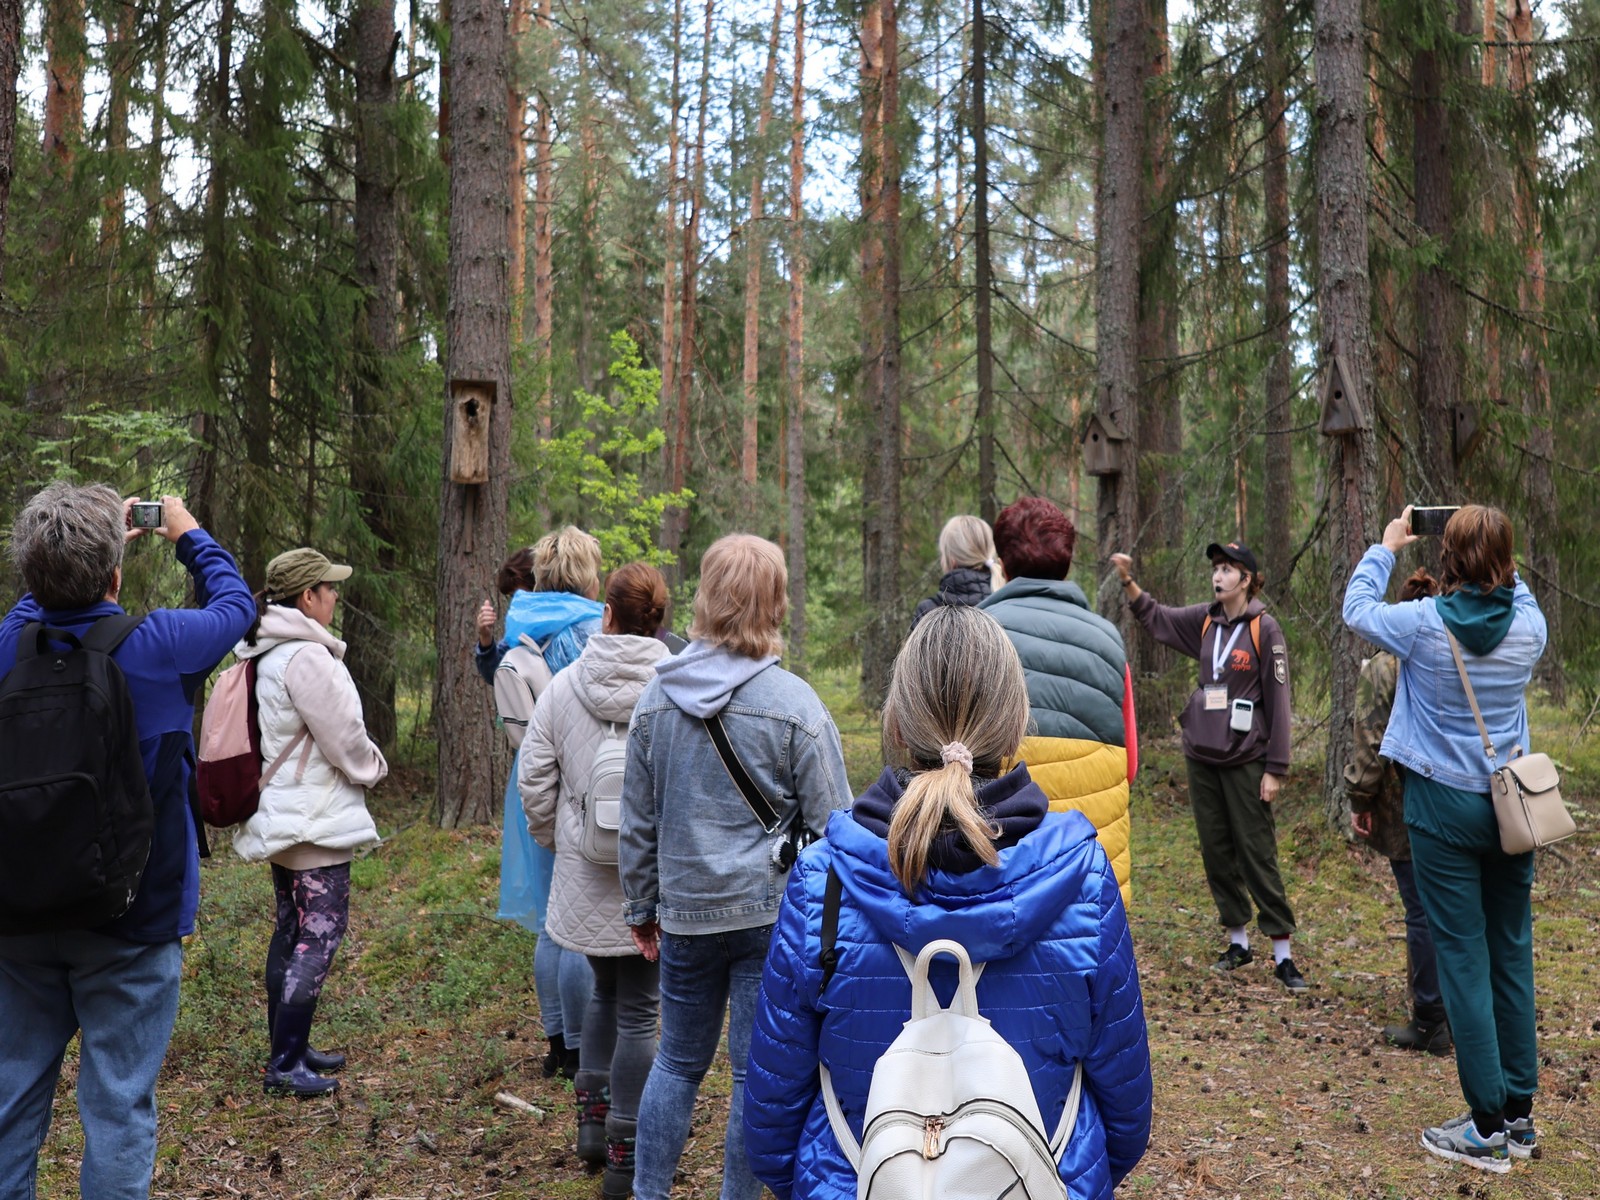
(287, 1071)
(617, 1183)
(593, 1092)
(569, 1063)
(317, 1060)
(555, 1057)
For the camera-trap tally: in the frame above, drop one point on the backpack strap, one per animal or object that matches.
(1255, 633)
(1069, 1117)
(106, 634)
(831, 897)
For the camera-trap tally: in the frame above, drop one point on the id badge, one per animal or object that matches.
(1216, 697)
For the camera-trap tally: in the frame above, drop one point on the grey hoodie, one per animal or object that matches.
(703, 678)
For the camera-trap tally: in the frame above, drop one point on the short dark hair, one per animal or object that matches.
(637, 595)
(516, 573)
(1034, 539)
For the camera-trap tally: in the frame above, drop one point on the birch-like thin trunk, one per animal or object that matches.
(669, 290)
(983, 282)
(543, 202)
(517, 136)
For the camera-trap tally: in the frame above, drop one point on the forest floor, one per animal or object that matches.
(1258, 1093)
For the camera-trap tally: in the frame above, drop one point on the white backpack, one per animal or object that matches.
(602, 800)
(519, 681)
(951, 1112)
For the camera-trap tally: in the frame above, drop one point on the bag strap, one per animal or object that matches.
(106, 634)
(1461, 666)
(831, 897)
(766, 815)
(283, 757)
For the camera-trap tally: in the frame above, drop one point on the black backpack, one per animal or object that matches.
(75, 811)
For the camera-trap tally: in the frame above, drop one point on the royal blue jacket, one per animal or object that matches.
(165, 660)
(1061, 986)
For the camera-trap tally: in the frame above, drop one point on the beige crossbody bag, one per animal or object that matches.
(1526, 791)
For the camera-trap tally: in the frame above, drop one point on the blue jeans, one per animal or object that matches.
(563, 981)
(702, 976)
(1422, 974)
(124, 998)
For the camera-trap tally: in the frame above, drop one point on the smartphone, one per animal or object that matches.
(146, 515)
(1430, 522)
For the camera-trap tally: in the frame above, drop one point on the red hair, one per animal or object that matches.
(1034, 539)
(1475, 551)
(637, 595)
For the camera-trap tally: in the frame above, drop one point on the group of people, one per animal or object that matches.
(681, 833)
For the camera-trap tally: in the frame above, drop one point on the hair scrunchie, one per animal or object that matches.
(955, 752)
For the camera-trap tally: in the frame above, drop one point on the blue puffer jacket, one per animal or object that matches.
(1061, 987)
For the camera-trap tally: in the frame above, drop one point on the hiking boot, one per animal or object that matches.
(1460, 1141)
(1521, 1139)
(287, 1072)
(1289, 975)
(1233, 957)
(617, 1183)
(592, 1090)
(1433, 1038)
(555, 1057)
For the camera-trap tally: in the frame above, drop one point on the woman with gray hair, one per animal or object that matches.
(948, 845)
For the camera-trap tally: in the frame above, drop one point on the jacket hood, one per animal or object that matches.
(995, 912)
(612, 672)
(1058, 589)
(1480, 622)
(1013, 803)
(542, 615)
(702, 679)
(279, 625)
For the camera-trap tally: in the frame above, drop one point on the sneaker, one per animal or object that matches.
(1460, 1141)
(1234, 956)
(1521, 1139)
(1289, 975)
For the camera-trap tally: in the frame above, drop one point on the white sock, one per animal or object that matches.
(1238, 936)
(1280, 949)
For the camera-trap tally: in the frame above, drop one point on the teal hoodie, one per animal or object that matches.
(1480, 622)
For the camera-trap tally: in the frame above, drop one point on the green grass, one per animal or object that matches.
(1258, 1094)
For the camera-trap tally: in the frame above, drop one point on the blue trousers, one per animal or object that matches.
(702, 976)
(123, 996)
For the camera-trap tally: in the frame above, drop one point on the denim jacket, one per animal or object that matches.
(1431, 730)
(691, 854)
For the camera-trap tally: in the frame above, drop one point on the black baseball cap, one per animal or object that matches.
(1234, 552)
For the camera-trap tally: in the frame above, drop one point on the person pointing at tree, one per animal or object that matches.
(1235, 743)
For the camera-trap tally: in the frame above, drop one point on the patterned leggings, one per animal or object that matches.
(313, 912)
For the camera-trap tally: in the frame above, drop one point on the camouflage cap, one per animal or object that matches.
(293, 571)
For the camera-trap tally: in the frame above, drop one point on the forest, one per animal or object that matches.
(417, 283)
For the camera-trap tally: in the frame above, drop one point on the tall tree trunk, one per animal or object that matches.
(219, 295)
(517, 133)
(1390, 406)
(446, 20)
(589, 268)
(1280, 508)
(795, 367)
(369, 615)
(1543, 517)
(983, 282)
(754, 246)
(1119, 211)
(1489, 77)
(1440, 323)
(1344, 299)
(153, 176)
(472, 517)
(881, 530)
(64, 34)
(121, 63)
(10, 64)
(543, 205)
(669, 289)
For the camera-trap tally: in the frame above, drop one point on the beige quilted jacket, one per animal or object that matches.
(574, 714)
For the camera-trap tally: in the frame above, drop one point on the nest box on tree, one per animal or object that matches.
(1341, 407)
(1465, 431)
(1101, 454)
(472, 402)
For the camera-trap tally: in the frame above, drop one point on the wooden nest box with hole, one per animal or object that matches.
(1102, 454)
(472, 405)
(1342, 412)
(1466, 433)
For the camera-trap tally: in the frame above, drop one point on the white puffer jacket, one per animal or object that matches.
(318, 797)
(573, 716)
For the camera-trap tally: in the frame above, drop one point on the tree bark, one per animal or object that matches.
(121, 63)
(543, 206)
(10, 64)
(517, 134)
(215, 278)
(983, 282)
(472, 517)
(881, 533)
(1119, 210)
(1391, 406)
(754, 248)
(152, 181)
(794, 429)
(1344, 298)
(1279, 466)
(1543, 518)
(669, 291)
(64, 34)
(369, 616)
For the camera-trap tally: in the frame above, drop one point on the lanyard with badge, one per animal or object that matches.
(1216, 691)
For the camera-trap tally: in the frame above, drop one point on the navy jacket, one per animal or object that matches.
(1061, 986)
(165, 660)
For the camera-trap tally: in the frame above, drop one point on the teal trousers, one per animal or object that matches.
(1480, 910)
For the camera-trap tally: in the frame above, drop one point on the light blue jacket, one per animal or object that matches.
(1061, 986)
(691, 854)
(1431, 730)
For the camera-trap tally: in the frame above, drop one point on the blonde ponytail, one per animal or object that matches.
(956, 680)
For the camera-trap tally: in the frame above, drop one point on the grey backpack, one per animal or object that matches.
(602, 799)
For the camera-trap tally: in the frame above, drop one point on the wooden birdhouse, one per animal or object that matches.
(1341, 407)
(1102, 454)
(473, 403)
(1465, 431)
